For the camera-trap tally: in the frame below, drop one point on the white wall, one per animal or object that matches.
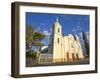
(5, 37)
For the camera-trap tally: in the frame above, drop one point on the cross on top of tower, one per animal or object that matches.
(57, 19)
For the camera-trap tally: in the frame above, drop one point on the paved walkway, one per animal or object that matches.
(76, 62)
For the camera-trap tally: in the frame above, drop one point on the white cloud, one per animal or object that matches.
(47, 33)
(43, 24)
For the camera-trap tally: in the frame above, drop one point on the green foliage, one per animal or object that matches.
(31, 54)
(37, 38)
(29, 34)
(33, 37)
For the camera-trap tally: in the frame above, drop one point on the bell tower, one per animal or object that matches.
(57, 41)
(57, 27)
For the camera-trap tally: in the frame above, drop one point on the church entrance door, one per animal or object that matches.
(67, 56)
(73, 56)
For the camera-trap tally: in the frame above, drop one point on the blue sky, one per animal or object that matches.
(71, 23)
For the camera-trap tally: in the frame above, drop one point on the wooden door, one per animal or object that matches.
(73, 56)
(67, 56)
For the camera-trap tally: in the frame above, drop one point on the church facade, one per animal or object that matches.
(64, 48)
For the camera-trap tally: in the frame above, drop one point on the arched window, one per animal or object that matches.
(58, 30)
(58, 40)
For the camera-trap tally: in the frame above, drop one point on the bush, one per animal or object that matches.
(31, 54)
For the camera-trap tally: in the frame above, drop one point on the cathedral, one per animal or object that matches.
(64, 48)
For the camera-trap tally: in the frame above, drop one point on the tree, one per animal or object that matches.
(33, 38)
(29, 36)
(31, 54)
(86, 44)
(37, 38)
